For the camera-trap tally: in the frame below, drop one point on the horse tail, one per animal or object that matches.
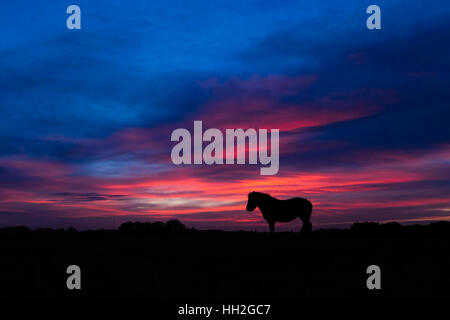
(309, 207)
(307, 225)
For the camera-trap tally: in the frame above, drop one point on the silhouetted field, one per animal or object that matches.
(158, 261)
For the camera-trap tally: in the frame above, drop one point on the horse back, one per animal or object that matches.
(299, 201)
(299, 204)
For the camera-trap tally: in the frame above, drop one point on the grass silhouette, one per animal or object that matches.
(166, 261)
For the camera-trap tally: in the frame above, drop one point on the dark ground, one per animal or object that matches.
(187, 265)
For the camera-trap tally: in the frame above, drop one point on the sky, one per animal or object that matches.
(86, 115)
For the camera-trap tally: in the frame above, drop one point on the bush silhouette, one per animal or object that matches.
(365, 227)
(175, 225)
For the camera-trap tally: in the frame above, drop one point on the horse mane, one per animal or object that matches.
(260, 195)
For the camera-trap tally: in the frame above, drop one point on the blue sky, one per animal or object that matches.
(100, 102)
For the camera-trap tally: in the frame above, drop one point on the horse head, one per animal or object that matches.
(256, 199)
(252, 201)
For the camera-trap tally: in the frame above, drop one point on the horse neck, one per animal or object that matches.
(264, 201)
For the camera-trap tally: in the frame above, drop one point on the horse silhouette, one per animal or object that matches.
(276, 210)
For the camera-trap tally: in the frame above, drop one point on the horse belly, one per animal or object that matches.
(292, 209)
(286, 217)
(286, 214)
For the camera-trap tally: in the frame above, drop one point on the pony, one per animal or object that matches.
(276, 210)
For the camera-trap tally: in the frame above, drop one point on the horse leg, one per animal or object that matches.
(307, 227)
(271, 226)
